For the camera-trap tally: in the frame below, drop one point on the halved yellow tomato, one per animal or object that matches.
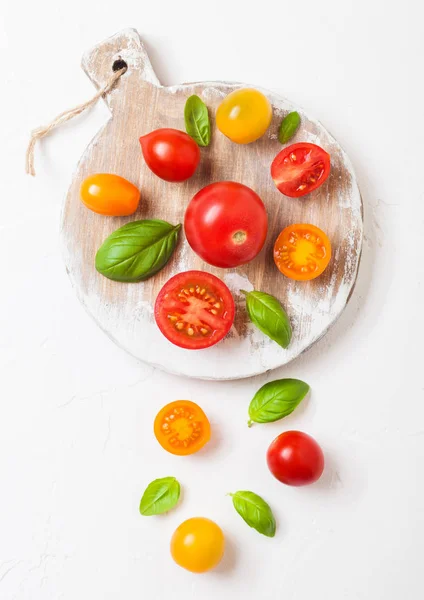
(302, 252)
(182, 427)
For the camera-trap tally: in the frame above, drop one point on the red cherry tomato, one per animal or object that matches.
(171, 154)
(194, 310)
(226, 224)
(295, 458)
(300, 169)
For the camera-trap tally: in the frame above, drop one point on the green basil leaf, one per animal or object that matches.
(160, 496)
(137, 250)
(269, 316)
(255, 511)
(276, 400)
(197, 120)
(289, 126)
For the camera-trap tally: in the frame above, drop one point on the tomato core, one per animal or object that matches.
(239, 237)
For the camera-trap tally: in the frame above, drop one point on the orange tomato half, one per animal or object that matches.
(111, 195)
(182, 427)
(302, 252)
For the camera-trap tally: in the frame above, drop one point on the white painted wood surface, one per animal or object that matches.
(140, 104)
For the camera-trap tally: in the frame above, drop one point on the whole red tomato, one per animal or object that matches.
(226, 224)
(295, 458)
(171, 154)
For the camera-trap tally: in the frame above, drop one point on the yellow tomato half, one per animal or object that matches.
(108, 194)
(244, 115)
(198, 545)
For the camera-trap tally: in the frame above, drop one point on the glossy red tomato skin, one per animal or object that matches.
(226, 224)
(219, 324)
(290, 175)
(295, 458)
(171, 154)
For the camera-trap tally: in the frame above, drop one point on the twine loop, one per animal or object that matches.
(67, 115)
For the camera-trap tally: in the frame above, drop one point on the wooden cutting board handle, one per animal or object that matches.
(100, 61)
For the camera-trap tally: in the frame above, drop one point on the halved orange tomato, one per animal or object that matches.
(302, 252)
(182, 427)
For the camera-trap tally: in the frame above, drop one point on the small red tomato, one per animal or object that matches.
(300, 169)
(172, 155)
(226, 224)
(295, 458)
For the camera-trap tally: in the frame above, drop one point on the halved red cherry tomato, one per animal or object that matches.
(109, 194)
(194, 310)
(171, 154)
(182, 428)
(302, 252)
(295, 458)
(300, 169)
(226, 224)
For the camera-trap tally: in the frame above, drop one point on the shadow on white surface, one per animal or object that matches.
(229, 561)
(330, 480)
(212, 446)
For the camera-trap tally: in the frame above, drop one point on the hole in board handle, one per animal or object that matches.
(119, 64)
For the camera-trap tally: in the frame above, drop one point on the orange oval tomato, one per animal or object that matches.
(302, 252)
(198, 545)
(244, 115)
(182, 427)
(111, 195)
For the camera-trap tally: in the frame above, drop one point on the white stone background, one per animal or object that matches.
(76, 443)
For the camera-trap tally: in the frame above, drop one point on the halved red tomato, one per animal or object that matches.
(194, 310)
(300, 168)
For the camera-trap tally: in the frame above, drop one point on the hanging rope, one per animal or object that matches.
(67, 115)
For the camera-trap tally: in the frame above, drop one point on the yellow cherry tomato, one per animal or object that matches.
(108, 194)
(198, 545)
(244, 115)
